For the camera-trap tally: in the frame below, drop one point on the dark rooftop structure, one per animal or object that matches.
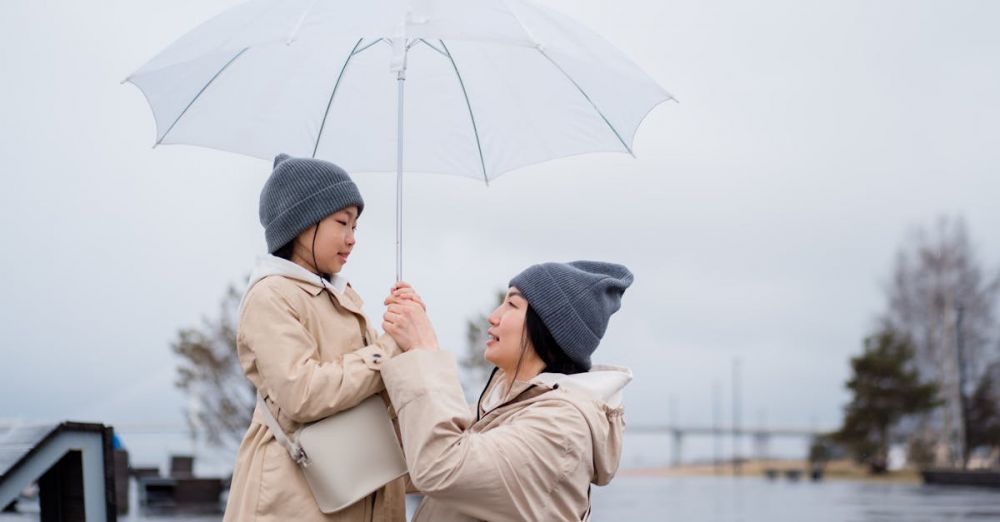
(71, 462)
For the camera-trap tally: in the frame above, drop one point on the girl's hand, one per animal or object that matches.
(402, 291)
(407, 322)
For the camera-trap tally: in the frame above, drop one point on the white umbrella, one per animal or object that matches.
(491, 85)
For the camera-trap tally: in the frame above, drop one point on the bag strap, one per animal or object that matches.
(294, 449)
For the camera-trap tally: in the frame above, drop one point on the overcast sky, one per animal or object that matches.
(760, 215)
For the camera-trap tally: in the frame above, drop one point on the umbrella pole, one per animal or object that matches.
(400, 79)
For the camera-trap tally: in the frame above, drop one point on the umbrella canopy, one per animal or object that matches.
(491, 85)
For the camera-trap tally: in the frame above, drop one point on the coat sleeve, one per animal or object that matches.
(273, 342)
(506, 473)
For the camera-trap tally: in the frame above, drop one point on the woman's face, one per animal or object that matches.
(334, 241)
(506, 332)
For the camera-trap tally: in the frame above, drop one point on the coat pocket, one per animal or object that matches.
(284, 492)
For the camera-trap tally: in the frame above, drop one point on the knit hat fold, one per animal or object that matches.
(299, 194)
(575, 301)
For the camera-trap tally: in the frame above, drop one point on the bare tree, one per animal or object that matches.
(942, 299)
(221, 399)
(475, 368)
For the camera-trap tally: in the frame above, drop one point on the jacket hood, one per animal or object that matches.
(602, 386)
(270, 265)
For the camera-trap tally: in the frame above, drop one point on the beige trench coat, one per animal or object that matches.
(531, 456)
(307, 356)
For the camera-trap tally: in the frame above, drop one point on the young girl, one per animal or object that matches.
(304, 342)
(547, 426)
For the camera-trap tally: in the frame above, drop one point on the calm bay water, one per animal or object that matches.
(724, 499)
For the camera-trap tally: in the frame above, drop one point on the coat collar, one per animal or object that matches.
(348, 300)
(313, 288)
(498, 395)
(269, 265)
(603, 383)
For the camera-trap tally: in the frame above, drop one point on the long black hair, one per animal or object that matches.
(548, 350)
(285, 251)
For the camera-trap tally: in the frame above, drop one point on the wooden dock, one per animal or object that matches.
(958, 477)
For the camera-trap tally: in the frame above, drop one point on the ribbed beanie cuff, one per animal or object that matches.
(306, 213)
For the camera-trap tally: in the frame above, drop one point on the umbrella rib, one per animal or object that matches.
(472, 116)
(334, 92)
(428, 44)
(196, 96)
(367, 46)
(590, 101)
(298, 25)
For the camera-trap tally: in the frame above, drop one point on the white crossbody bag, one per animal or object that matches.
(344, 457)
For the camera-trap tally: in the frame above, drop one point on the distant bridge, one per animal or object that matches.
(761, 436)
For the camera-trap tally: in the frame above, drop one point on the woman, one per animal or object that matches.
(304, 342)
(547, 425)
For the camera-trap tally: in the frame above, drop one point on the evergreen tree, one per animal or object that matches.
(983, 413)
(886, 387)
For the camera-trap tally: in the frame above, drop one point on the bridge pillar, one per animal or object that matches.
(677, 447)
(761, 444)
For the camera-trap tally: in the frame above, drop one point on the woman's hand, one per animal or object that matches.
(406, 320)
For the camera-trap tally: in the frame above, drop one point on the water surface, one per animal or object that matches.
(749, 499)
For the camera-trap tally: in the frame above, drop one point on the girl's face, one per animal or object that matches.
(334, 241)
(506, 332)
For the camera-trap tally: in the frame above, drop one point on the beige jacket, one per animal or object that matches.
(307, 356)
(533, 453)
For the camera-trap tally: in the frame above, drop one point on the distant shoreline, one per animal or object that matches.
(834, 471)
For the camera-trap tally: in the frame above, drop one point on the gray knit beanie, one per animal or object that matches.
(575, 301)
(299, 194)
